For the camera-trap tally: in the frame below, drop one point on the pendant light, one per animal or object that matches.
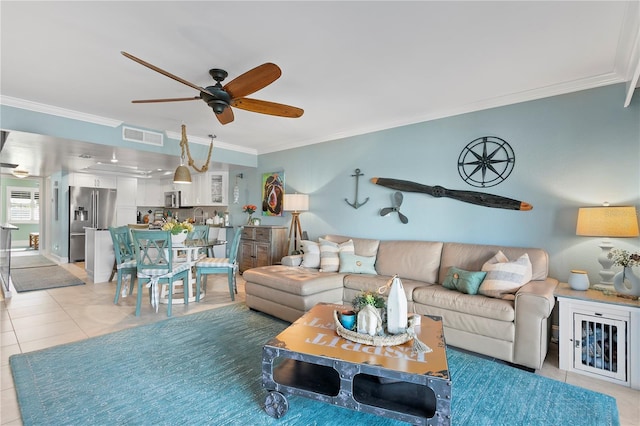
(182, 174)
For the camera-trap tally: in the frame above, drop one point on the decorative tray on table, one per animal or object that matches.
(383, 340)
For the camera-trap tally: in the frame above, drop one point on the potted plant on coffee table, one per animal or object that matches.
(370, 308)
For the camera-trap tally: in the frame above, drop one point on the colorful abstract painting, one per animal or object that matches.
(272, 193)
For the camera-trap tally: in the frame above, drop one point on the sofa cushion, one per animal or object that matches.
(476, 305)
(415, 260)
(354, 264)
(329, 254)
(470, 331)
(310, 254)
(504, 278)
(362, 246)
(463, 281)
(356, 283)
(471, 257)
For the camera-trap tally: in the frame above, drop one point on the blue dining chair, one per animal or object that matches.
(222, 265)
(125, 258)
(200, 237)
(155, 265)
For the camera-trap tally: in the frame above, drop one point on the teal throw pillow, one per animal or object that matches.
(464, 281)
(354, 264)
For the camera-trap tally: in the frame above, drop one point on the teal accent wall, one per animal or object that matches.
(573, 150)
(22, 234)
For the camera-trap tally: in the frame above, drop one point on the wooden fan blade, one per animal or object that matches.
(147, 101)
(253, 80)
(266, 107)
(226, 117)
(165, 73)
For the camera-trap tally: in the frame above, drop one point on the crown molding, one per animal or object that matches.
(484, 104)
(59, 112)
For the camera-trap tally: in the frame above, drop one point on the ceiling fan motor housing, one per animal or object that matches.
(218, 102)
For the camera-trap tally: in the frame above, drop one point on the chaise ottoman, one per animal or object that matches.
(278, 290)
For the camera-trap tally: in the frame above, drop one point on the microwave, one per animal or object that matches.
(174, 200)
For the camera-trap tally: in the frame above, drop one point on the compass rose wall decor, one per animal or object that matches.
(486, 161)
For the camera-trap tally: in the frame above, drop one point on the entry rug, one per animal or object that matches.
(43, 278)
(205, 369)
(32, 261)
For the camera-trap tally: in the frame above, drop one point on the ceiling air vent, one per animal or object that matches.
(142, 136)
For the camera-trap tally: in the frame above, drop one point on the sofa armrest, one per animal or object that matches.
(293, 260)
(534, 304)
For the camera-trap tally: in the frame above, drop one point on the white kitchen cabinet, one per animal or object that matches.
(150, 193)
(127, 188)
(189, 192)
(214, 188)
(92, 181)
(126, 200)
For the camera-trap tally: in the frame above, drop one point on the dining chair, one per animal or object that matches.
(125, 258)
(200, 237)
(221, 265)
(155, 266)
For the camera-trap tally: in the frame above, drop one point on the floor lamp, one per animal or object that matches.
(296, 204)
(607, 222)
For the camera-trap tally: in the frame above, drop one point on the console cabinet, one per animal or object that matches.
(599, 335)
(261, 246)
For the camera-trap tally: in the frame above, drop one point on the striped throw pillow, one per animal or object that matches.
(504, 278)
(329, 254)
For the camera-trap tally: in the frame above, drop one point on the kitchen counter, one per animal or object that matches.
(99, 255)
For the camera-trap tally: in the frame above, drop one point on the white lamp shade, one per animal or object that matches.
(619, 222)
(296, 202)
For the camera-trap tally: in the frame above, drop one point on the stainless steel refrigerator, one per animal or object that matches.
(88, 208)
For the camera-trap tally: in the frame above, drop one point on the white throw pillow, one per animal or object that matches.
(329, 258)
(504, 278)
(310, 254)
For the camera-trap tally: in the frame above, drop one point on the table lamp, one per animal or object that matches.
(607, 222)
(295, 203)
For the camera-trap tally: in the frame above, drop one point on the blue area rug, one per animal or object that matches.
(205, 368)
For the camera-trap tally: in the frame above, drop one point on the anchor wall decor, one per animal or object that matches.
(357, 204)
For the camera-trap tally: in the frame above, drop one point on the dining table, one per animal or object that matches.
(191, 251)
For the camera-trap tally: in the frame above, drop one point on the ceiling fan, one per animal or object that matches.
(222, 98)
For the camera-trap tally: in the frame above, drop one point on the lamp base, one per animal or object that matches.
(295, 230)
(606, 274)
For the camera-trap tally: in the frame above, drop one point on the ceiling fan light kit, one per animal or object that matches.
(20, 174)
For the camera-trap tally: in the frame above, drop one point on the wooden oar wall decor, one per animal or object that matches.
(478, 198)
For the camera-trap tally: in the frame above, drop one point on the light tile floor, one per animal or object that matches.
(41, 319)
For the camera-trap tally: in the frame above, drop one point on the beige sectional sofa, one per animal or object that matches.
(515, 331)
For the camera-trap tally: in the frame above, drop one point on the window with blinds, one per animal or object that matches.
(24, 205)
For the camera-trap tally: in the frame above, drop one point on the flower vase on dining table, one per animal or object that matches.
(179, 239)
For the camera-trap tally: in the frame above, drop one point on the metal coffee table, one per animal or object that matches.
(309, 359)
